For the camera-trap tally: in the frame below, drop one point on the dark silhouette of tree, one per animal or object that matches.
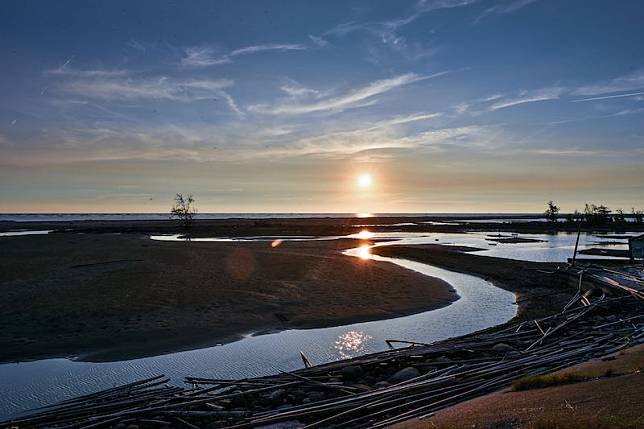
(552, 212)
(184, 209)
(638, 215)
(597, 215)
(619, 216)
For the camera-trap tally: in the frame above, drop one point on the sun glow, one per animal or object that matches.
(363, 252)
(365, 234)
(365, 180)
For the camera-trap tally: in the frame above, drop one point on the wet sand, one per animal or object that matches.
(108, 297)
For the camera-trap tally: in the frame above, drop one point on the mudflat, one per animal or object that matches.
(118, 296)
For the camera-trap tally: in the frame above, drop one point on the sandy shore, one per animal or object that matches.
(610, 398)
(113, 297)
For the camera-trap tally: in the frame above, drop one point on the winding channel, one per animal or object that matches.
(481, 305)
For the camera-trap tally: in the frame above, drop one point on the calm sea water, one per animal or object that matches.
(53, 217)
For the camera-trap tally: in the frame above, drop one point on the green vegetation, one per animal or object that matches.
(548, 380)
(608, 422)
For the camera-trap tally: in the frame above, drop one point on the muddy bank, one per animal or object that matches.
(538, 291)
(314, 226)
(113, 297)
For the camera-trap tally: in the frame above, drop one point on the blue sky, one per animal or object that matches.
(451, 105)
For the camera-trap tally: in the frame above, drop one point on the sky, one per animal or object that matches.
(279, 106)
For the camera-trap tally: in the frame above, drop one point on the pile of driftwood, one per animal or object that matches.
(375, 390)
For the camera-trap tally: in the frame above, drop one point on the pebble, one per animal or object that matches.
(352, 372)
(404, 375)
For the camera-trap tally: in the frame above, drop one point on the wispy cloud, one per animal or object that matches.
(386, 32)
(505, 8)
(350, 99)
(318, 41)
(67, 70)
(161, 88)
(628, 82)
(352, 142)
(608, 97)
(295, 90)
(205, 56)
(524, 97)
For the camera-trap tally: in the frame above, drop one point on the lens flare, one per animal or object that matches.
(277, 243)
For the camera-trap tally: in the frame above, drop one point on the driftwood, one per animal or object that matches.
(374, 390)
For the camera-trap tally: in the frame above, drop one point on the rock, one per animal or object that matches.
(316, 396)
(382, 384)
(404, 375)
(368, 379)
(132, 426)
(277, 396)
(442, 359)
(513, 353)
(502, 348)
(352, 372)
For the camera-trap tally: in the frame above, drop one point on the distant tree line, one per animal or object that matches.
(594, 215)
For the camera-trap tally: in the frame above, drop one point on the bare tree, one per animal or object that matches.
(184, 209)
(638, 215)
(552, 212)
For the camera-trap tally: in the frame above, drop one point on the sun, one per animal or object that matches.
(365, 180)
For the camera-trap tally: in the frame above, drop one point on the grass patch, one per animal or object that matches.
(588, 423)
(548, 380)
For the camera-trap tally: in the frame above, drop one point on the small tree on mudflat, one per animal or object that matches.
(184, 209)
(552, 212)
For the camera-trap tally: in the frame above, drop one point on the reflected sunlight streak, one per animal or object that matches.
(351, 343)
(364, 252)
(365, 234)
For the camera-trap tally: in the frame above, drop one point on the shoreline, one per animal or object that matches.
(191, 302)
(125, 334)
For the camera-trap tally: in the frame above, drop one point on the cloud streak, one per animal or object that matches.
(162, 88)
(503, 9)
(629, 82)
(525, 97)
(350, 99)
(205, 56)
(608, 97)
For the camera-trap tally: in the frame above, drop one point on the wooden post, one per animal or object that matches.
(574, 255)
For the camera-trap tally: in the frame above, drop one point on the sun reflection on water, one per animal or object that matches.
(364, 251)
(351, 343)
(365, 234)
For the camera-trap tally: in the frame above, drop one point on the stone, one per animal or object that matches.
(404, 374)
(315, 396)
(277, 396)
(352, 372)
(502, 348)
